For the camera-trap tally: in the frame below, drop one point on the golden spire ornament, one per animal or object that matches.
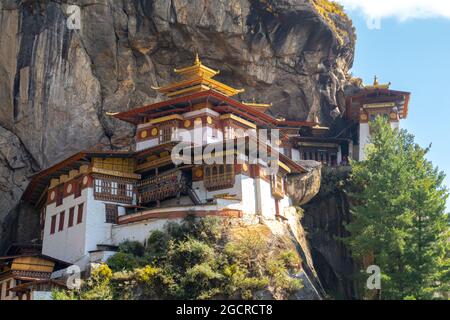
(197, 60)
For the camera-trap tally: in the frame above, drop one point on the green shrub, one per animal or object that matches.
(199, 259)
(202, 280)
(209, 229)
(123, 261)
(132, 247)
(97, 287)
(188, 253)
(63, 295)
(157, 244)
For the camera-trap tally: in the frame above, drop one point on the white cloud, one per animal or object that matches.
(400, 9)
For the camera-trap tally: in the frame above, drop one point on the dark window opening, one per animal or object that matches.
(71, 216)
(61, 221)
(80, 213)
(53, 225)
(111, 212)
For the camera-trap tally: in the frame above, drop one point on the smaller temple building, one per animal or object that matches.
(25, 273)
(375, 100)
(363, 104)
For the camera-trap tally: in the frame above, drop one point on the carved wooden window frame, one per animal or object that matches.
(218, 176)
(113, 189)
(277, 186)
(111, 213)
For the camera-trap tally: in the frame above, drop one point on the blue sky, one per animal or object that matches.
(414, 54)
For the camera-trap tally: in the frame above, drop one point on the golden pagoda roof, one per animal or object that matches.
(197, 78)
(198, 69)
(377, 85)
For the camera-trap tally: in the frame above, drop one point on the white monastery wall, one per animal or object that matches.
(141, 145)
(267, 201)
(69, 244)
(295, 154)
(248, 195)
(97, 230)
(204, 194)
(364, 138)
(138, 231)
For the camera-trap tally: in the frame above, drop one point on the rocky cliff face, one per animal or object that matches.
(302, 188)
(324, 219)
(57, 83)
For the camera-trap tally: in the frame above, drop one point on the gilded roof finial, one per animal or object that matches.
(377, 85)
(197, 60)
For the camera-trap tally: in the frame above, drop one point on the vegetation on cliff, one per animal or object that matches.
(198, 259)
(334, 15)
(399, 218)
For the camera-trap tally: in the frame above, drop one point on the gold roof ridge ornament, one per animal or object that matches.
(196, 78)
(377, 85)
(253, 103)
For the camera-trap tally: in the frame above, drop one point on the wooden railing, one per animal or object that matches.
(160, 187)
(219, 181)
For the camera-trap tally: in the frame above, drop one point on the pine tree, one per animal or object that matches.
(398, 216)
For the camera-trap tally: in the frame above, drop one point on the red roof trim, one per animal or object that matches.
(128, 115)
(357, 97)
(133, 115)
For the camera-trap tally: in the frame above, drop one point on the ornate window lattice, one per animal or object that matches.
(111, 213)
(326, 156)
(165, 134)
(218, 177)
(108, 189)
(160, 187)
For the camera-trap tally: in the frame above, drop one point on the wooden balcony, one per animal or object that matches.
(160, 187)
(113, 198)
(219, 181)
